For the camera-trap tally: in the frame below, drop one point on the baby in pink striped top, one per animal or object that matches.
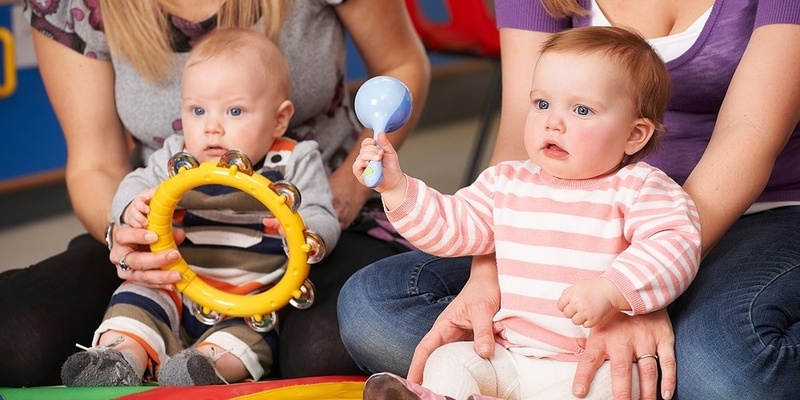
(581, 230)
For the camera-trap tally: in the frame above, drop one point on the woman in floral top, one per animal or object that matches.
(113, 70)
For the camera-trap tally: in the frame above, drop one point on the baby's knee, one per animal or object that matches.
(450, 355)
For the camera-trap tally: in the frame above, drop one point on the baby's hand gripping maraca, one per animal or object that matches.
(382, 104)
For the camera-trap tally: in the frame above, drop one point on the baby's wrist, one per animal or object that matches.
(394, 196)
(614, 295)
(402, 187)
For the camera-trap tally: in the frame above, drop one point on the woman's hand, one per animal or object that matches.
(467, 317)
(141, 266)
(624, 339)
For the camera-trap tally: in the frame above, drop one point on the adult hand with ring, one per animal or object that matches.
(123, 264)
(619, 338)
(131, 247)
(648, 355)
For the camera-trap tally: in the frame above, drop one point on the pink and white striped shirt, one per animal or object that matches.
(636, 227)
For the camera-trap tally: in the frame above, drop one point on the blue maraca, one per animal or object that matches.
(382, 104)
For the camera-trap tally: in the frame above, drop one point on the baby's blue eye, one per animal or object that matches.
(582, 110)
(236, 111)
(198, 111)
(542, 104)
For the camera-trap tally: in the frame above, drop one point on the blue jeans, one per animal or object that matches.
(385, 308)
(737, 330)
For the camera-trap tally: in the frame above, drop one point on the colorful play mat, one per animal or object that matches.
(315, 388)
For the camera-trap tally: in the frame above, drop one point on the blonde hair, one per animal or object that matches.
(233, 43)
(648, 78)
(137, 30)
(564, 8)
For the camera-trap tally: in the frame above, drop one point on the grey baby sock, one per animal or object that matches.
(101, 367)
(189, 367)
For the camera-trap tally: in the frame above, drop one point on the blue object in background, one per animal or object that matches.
(30, 137)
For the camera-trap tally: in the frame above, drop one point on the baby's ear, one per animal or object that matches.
(282, 117)
(640, 134)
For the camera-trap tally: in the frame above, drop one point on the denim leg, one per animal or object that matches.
(737, 330)
(387, 307)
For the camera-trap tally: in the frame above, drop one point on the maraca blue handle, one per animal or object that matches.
(382, 104)
(373, 175)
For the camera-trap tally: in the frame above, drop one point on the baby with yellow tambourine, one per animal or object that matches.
(235, 93)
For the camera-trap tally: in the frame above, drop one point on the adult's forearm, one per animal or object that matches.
(91, 195)
(81, 92)
(708, 185)
(760, 113)
(388, 46)
(518, 58)
(484, 270)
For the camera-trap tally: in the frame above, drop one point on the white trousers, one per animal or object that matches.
(455, 370)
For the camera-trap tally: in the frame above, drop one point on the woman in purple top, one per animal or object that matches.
(733, 142)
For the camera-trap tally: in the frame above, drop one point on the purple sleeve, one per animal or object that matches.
(528, 15)
(777, 12)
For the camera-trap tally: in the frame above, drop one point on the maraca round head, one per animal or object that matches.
(383, 104)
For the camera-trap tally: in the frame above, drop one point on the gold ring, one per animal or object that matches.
(643, 356)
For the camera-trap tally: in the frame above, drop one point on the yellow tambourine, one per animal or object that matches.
(234, 170)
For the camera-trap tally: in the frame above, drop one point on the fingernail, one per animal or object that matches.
(150, 237)
(484, 350)
(579, 390)
(175, 277)
(667, 395)
(173, 255)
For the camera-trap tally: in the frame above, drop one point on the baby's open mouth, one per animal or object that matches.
(554, 150)
(553, 147)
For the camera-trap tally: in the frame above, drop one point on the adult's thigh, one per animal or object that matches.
(310, 344)
(386, 308)
(737, 330)
(50, 306)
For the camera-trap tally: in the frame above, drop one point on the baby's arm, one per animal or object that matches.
(588, 301)
(393, 186)
(135, 213)
(306, 171)
(663, 231)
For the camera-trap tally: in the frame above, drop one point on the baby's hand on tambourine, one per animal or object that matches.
(135, 214)
(272, 226)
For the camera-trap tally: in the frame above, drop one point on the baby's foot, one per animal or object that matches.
(100, 367)
(386, 386)
(190, 367)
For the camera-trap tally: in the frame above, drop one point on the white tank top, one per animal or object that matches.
(668, 47)
(671, 47)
